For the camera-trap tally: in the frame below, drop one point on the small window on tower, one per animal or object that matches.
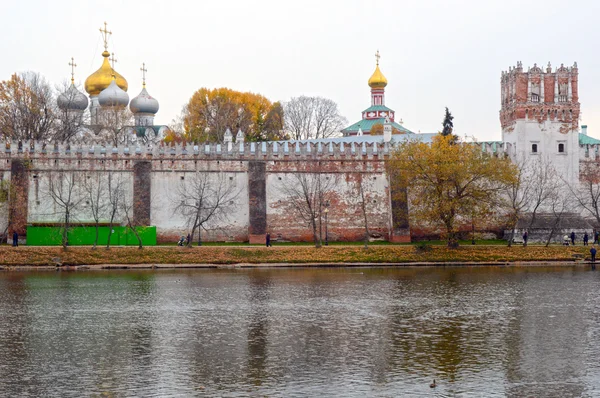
(535, 92)
(561, 148)
(534, 148)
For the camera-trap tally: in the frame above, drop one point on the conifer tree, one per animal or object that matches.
(447, 123)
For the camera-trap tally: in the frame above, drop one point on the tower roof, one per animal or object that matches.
(102, 78)
(113, 95)
(144, 103)
(377, 80)
(366, 126)
(72, 99)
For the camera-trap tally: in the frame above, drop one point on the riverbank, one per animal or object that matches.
(129, 257)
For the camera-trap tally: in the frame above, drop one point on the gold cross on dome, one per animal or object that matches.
(112, 59)
(72, 64)
(377, 56)
(144, 70)
(105, 34)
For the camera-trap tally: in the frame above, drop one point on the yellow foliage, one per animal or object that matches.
(377, 129)
(210, 112)
(447, 181)
(26, 107)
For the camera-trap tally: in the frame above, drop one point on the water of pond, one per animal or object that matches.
(356, 332)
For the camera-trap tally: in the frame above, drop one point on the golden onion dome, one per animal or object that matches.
(377, 80)
(102, 78)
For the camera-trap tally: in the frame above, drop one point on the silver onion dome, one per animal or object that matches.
(113, 95)
(144, 103)
(72, 99)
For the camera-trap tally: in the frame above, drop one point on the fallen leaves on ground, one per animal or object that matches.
(24, 255)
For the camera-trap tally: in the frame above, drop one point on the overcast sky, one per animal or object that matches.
(433, 53)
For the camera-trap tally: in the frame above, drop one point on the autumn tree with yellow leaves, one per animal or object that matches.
(377, 129)
(27, 107)
(448, 183)
(209, 113)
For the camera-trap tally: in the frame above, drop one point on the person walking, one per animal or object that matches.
(15, 239)
(268, 240)
(596, 236)
(593, 255)
(573, 238)
(585, 239)
(187, 239)
(525, 237)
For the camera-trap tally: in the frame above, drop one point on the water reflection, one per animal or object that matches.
(299, 332)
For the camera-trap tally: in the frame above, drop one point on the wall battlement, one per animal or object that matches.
(248, 150)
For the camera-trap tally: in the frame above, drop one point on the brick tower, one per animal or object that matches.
(539, 116)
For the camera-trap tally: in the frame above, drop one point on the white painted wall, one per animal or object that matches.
(41, 207)
(547, 136)
(165, 185)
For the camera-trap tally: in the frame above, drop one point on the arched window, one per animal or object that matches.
(535, 92)
(561, 148)
(533, 148)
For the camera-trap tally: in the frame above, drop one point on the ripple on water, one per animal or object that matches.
(301, 332)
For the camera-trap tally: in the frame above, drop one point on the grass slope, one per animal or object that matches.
(24, 255)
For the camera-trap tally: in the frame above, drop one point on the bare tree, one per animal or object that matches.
(205, 198)
(534, 190)
(360, 192)
(545, 185)
(70, 123)
(94, 189)
(559, 204)
(126, 209)
(64, 192)
(114, 125)
(587, 192)
(4, 196)
(307, 191)
(115, 196)
(27, 107)
(518, 196)
(312, 117)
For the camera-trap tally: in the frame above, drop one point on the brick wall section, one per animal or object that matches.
(257, 199)
(400, 224)
(516, 103)
(19, 197)
(152, 174)
(142, 192)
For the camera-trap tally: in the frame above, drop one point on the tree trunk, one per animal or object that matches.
(65, 236)
(315, 236)
(552, 230)
(137, 235)
(97, 233)
(451, 241)
(110, 225)
(190, 243)
(512, 232)
(364, 212)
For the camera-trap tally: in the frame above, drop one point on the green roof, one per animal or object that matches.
(366, 124)
(587, 140)
(376, 108)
